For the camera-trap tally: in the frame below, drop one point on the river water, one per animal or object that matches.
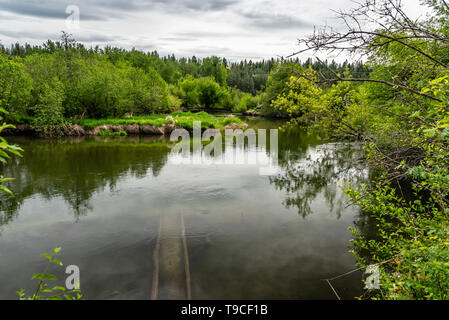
(249, 236)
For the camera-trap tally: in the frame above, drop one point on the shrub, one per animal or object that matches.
(49, 117)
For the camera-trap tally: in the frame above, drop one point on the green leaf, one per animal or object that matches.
(37, 276)
(49, 277)
(46, 255)
(57, 261)
(59, 288)
(6, 190)
(21, 292)
(4, 154)
(17, 153)
(14, 147)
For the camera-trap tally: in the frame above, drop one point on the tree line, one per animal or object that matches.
(63, 79)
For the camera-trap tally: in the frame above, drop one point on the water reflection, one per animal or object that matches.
(76, 168)
(316, 171)
(102, 200)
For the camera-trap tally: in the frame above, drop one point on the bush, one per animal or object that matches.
(300, 99)
(247, 102)
(49, 117)
(174, 103)
(242, 106)
(203, 92)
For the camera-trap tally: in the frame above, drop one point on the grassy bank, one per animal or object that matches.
(180, 119)
(144, 124)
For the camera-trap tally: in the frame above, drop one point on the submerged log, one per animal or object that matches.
(171, 277)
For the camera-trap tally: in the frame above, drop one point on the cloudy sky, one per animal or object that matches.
(235, 29)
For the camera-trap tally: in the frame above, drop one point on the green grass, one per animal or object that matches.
(184, 120)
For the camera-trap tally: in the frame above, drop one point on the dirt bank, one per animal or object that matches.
(75, 130)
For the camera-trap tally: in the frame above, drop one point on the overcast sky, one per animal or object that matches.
(250, 29)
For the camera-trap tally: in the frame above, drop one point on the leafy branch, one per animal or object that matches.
(43, 292)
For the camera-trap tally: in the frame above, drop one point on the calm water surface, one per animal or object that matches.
(248, 236)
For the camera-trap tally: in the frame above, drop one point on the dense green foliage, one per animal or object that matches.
(400, 111)
(64, 80)
(203, 93)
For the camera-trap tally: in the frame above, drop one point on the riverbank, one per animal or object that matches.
(156, 124)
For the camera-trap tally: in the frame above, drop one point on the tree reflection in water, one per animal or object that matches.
(74, 169)
(319, 171)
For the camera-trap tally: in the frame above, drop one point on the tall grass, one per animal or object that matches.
(183, 120)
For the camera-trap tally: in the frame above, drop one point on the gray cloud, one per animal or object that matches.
(235, 28)
(275, 21)
(145, 47)
(195, 5)
(4, 17)
(206, 51)
(107, 9)
(28, 35)
(177, 39)
(103, 10)
(98, 37)
(49, 9)
(38, 35)
(204, 34)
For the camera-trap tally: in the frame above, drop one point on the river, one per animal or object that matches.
(248, 236)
